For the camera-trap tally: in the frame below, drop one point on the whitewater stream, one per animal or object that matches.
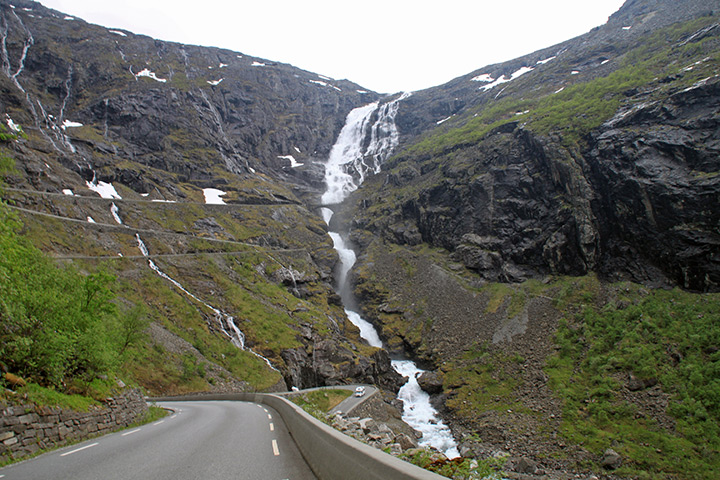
(348, 165)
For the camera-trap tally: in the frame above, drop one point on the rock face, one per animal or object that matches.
(626, 193)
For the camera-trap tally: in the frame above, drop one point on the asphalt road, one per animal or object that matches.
(210, 440)
(352, 401)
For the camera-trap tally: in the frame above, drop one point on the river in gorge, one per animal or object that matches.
(367, 138)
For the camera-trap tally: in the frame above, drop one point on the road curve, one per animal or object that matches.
(210, 440)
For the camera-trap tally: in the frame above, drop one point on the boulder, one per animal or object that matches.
(611, 460)
(431, 382)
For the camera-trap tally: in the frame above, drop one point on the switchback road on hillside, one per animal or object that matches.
(209, 440)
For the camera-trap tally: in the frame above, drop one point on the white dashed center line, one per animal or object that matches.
(158, 423)
(130, 432)
(269, 417)
(272, 427)
(81, 448)
(275, 448)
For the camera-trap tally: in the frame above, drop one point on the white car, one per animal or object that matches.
(359, 391)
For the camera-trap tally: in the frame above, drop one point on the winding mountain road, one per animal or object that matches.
(209, 440)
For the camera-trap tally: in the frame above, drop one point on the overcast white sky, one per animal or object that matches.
(384, 45)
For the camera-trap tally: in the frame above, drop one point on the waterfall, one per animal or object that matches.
(237, 337)
(348, 165)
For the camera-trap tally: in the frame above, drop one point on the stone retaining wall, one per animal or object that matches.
(25, 429)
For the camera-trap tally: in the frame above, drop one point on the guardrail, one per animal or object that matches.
(329, 453)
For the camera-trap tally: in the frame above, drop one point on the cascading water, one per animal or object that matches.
(345, 170)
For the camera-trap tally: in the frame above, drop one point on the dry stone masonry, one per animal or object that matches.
(25, 429)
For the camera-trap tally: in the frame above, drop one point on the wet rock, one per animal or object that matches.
(431, 382)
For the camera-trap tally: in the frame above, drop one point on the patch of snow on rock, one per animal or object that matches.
(69, 124)
(105, 190)
(147, 73)
(118, 32)
(440, 122)
(68, 17)
(484, 77)
(561, 89)
(11, 124)
(257, 64)
(505, 78)
(223, 65)
(293, 163)
(543, 62)
(297, 150)
(90, 220)
(115, 213)
(215, 82)
(575, 72)
(318, 82)
(627, 28)
(212, 196)
(67, 191)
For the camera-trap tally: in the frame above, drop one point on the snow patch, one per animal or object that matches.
(67, 17)
(11, 124)
(293, 163)
(361, 91)
(90, 220)
(212, 196)
(318, 82)
(297, 150)
(215, 82)
(561, 89)
(67, 191)
(118, 32)
(105, 190)
(69, 124)
(147, 73)
(144, 194)
(483, 77)
(543, 62)
(440, 122)
(575, 72)
(604, 62)
(115, 211)
(258, 64)
(522, 113)
(504, 79)
(324, 77)
(223, 65)
(627, 28)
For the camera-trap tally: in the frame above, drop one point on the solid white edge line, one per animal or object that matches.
(276, 452)
(130, 432)
(78, 449)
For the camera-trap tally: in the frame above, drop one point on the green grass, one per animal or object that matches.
(667, 336)
(50, 397)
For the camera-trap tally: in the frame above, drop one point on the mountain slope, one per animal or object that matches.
(127, 142)
(520, 242)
